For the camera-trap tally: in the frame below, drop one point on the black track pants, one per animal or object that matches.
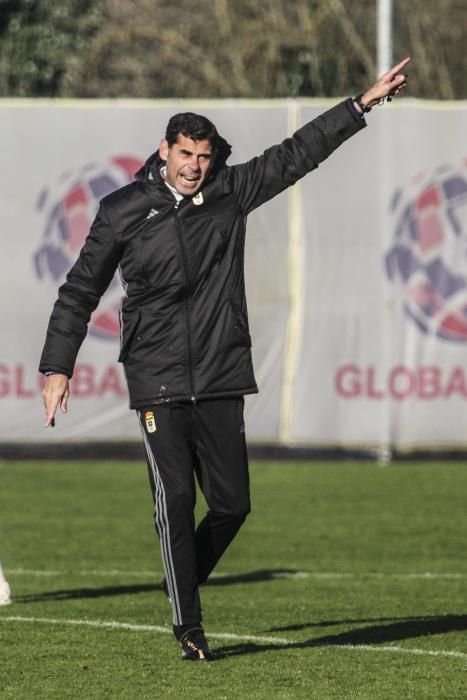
(207, 440)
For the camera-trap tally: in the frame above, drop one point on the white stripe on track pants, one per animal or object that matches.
(184, 441)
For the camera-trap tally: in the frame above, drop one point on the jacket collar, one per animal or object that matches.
(150, 170)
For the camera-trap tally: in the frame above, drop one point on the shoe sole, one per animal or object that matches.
(202, 656)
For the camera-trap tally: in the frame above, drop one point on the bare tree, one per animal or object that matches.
(434, 33)
(224, 48)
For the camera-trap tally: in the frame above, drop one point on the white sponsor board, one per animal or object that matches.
(356, 277)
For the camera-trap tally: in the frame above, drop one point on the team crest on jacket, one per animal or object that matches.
(150, 422)
(198, 199)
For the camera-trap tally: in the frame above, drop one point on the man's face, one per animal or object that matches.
(187, 163)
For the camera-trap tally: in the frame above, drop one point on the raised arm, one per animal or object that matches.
(280, 166)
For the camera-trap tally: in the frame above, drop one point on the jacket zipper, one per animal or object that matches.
(178, 227)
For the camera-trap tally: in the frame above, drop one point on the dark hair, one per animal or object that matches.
(193, 126)
(197, 128)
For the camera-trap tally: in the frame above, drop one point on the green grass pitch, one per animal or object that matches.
(348, 580)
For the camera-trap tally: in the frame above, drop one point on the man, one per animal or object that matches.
(176, 235)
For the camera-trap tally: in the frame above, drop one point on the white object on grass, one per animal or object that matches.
(5, 592)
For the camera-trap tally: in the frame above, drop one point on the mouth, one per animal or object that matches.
(190, 180)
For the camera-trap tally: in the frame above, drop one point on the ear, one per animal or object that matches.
(164, 149)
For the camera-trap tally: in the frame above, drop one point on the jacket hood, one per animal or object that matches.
(154, 163)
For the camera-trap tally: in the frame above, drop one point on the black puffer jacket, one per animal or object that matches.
(184, 319)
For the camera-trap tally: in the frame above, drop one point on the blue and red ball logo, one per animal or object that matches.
(69, 209)
(429, 252)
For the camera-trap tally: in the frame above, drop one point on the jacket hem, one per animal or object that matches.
(142, 403)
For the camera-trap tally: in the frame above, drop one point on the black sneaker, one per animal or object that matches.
(194, 646)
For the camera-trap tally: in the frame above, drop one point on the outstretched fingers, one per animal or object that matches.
(397, 69)
(55, 393)
(387, 85)
(396, 78)
(64, 402)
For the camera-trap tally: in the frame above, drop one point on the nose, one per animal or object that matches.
(194, 163)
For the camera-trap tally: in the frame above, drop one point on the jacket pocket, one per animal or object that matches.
(129, 328)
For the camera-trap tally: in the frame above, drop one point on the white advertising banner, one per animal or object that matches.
(382, 357)
(356, 277)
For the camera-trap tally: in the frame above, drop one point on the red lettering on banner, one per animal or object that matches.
(372, 392)
(347, 381)
(111, 383)
(22, 382)
(400, 382)
(4, 383)
(429, 382)
(456, 384)
(82, 383)
(21, 391)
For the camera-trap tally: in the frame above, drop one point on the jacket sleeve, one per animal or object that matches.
(79, 295)
(265, 176)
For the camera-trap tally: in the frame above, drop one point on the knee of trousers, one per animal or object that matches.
(180, 501)
(234, 516)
